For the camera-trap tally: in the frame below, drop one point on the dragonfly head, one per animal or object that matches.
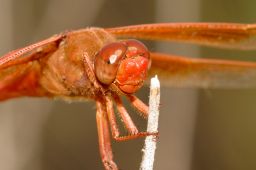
(123, 64)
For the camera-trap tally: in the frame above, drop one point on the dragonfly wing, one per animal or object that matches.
(177, 71)
(31, 52)
(223, 35)
(19, 71)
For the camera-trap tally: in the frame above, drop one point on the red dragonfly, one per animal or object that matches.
(103, 64)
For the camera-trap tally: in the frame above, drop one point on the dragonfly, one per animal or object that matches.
(104, 64)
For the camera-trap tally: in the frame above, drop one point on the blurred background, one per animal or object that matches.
(199, 128)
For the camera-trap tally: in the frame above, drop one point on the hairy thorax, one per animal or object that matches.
(64, 73)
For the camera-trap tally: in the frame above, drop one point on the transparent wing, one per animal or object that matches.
(30, 52)
(19, 73)
(223, 35)
(177, 71)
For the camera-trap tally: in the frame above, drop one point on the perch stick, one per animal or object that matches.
(150, 141)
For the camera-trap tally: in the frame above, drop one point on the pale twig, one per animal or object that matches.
(150, 141)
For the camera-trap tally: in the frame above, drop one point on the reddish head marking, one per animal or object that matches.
(133, 69)
(123, 63)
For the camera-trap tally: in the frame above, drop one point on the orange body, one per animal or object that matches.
(94, 63)
(60, 72)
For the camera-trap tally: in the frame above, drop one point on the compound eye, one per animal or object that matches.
(133, 69)
(136, 48)
(107, 62)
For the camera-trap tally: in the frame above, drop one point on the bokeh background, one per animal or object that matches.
(200, 129)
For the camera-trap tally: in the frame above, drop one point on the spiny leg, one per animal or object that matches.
(130, 126)
(104, 137)
(126, 119)
(112, 117)
(90, 73)
(139, 105)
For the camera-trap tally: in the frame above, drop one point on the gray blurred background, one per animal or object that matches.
(200, 129)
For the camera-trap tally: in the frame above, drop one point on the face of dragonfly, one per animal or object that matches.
(175, 137)
(123, 64)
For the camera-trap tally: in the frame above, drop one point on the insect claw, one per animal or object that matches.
(137, 135)
(110, 165)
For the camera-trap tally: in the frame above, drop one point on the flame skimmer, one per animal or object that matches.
(100, 64)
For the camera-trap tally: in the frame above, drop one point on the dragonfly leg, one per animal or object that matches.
(104, 137)
(112, 117)
(130, 126)
(133, 131)
(139, 105)
(90, 73)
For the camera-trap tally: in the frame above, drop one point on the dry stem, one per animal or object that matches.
(150, 141)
